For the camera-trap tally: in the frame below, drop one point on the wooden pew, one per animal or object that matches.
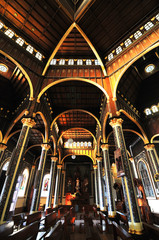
(95, 212)
(28, 232)
(121, 217)
(18, 220)
(155, 218)
(119, 231)
(60, 210)
(55, 232)
(33, 217)
(50, 220)
(103, 217)
(48, 210)
(91, 234)
(151, 231)
(6, 229)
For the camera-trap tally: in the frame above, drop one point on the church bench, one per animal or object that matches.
(155, 218)
(122, 217)
(103, 217)
(151, 231)
(91, 234)
(119, 231)
(6, 229)
(55, 232)
(28, 232)
(50, 220)
(18, 220)
(95, 212)
(33, 217)
(48, 210)
(60, 210)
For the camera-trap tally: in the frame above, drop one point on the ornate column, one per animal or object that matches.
(154, 163)
(14, 168)
(3, 147)
(134, 167)
(52, 178)
(109, 183)
(57, 185)
(39, 178)
(100, 188)
(134, 220)
(95, 184)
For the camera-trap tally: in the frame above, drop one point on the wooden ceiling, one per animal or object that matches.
(43, 23)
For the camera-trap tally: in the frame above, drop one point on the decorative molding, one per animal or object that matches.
(29, 122)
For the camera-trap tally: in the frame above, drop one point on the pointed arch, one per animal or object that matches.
(23, 71)
(152, 139)
(124, 69)
(1, 136)
(71, 79)
(104, 127)
(54, 144)
(87, 40)
(78, 110)
(138, 125)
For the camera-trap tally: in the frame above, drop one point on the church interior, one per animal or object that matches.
(79, 119)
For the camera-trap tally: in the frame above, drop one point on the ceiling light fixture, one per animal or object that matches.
(3, 68)
(73, 156)
(149, 68)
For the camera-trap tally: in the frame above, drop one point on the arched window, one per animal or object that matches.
(45, 185)
(23, 184)
(154, 109)
(88, 62)
(62, 62)
(147, 111)
(146, 180)
(70, 62)
(79, 62)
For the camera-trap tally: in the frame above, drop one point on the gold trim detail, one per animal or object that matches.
(111, 214)
(116, 122)
(105, 146)
(54, 159)
(135, 228)
(2, 146)
(29, 122)
(45, 146)
(149, 146)
(99, 159)
(59, 166)
(95, 166)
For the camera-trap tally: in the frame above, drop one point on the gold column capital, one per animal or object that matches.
(149, 146)
(105, 146)
(95, 166)
(29, 122)
(54, 159)
(59, 166)
(3, 146)
(116, 122)
(131, 159)
(99, 159)
(45, 146)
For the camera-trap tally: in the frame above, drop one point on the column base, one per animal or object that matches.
(135, 228)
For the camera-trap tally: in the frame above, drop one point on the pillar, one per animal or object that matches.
(14, 168)
(52, 178)
(134, 167)
(95, 184)
(134, 220)
(57, 185)
(100, 188)
(154, 163)
(109, 182)
(39, 178)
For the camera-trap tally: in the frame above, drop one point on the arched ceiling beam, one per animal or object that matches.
(77, 129)
(71, 79)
